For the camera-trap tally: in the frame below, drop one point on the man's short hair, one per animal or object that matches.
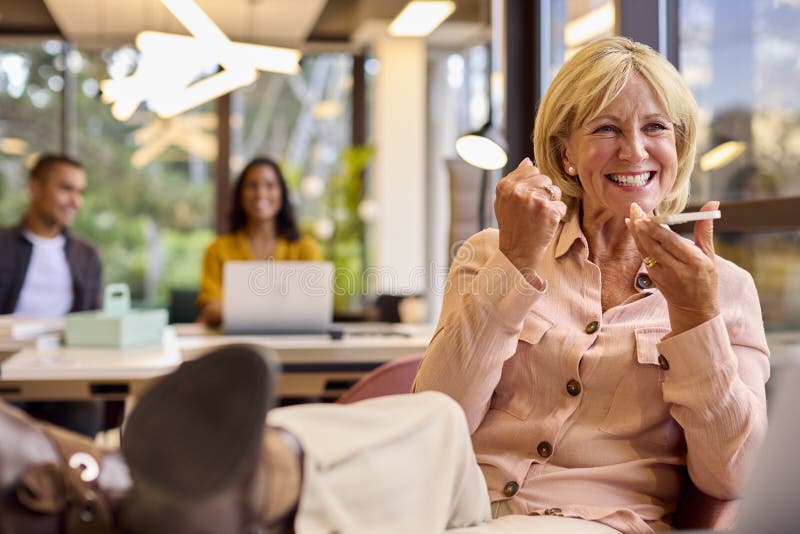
(47, 162)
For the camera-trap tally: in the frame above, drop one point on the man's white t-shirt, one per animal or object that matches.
(47, 290)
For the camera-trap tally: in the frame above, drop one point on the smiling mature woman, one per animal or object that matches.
(589, 378)
(595, 352)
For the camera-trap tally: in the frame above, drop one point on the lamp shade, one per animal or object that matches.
(486, 148)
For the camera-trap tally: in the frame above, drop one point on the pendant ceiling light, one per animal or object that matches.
(420, 17)
(487, 148)
(172, 75)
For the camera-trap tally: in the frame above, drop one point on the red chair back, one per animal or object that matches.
(390, 378)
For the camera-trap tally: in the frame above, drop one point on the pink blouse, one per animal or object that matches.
(584, 413)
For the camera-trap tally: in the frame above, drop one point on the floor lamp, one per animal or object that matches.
(486, 149)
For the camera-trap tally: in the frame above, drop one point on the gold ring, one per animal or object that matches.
(550, 188)
(649, 261)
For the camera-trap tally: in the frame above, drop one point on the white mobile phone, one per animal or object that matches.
(680, 218)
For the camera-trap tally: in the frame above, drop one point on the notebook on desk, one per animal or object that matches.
(277, 297)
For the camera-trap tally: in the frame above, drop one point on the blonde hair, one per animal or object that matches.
(590, 81)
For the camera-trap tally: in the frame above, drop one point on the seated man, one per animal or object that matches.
(47, 272)
(200, 459)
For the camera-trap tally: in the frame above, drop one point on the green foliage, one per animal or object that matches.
(340, 200)
(13, 192)
(184, 260)
(344, 193)
(121, 241)
(292, 174)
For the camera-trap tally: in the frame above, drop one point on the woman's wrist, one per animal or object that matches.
(532, 277)
(683, 321)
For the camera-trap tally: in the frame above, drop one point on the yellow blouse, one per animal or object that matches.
(235, 246)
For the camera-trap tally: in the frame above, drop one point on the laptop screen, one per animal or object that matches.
(277, 297)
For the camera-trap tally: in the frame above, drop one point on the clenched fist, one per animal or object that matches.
(528, 208)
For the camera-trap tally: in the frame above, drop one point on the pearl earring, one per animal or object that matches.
(571, 170)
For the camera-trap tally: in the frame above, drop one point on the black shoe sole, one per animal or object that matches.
(197, 431)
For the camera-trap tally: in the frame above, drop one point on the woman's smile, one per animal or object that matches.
(632, 181)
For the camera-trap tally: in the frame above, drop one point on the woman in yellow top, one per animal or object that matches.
(263, 227)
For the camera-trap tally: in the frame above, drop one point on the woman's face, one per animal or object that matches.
(261, 193)
(626, 154)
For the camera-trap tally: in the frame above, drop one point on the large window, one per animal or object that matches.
(740, 58)
(149, 204)
(573, 23)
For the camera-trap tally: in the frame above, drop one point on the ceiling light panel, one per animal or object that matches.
(420, 18)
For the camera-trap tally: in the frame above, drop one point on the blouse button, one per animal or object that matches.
(574, 387)
(544, 449)
(510, 489)
(592, 327)
(663, 362)
(643, 281)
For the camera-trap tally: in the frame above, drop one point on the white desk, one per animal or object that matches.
(313, 366)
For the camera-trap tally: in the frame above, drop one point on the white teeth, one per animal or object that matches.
(632, 180)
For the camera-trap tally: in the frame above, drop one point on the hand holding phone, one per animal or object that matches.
(680, 218)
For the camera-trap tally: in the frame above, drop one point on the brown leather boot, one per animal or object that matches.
(54, 481)
(195, 446)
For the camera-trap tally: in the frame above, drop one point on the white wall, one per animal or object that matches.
(397, 179)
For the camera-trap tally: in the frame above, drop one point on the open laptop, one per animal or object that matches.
(277, 297)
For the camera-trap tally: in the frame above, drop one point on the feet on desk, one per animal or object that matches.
(53, 480)
(198, 458)
(199, 455)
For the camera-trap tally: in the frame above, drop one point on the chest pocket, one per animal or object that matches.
(514, 393)
(534, 328)
(638, 410)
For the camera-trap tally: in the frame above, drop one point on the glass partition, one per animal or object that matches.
(31, 82)
(573, 23)
(740, 59)
(774, 261)
(151, 184)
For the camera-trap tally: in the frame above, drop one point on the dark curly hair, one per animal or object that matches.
(286, 224)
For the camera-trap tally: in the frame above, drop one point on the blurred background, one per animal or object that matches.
(366, 128)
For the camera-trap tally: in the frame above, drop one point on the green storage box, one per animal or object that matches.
(116, 325)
